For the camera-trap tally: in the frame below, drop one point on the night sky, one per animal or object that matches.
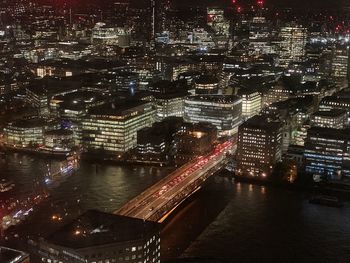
(303, 4)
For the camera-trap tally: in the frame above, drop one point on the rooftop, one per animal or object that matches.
(261, 122)
(95, 228)
(337, 134)
(8, 255)
(31, 123)
(214, 98)
(118, 108)
(330, 113)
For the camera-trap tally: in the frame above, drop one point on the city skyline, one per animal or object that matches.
(162, 131)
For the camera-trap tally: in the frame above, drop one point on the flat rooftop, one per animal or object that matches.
(330, 114)
(117, 108)
(8, 255)
(215, 98)
(95, 228)
(32, 123)
(261, 122)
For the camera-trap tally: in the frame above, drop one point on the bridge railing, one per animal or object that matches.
(184, 193)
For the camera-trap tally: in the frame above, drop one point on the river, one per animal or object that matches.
(227, 221)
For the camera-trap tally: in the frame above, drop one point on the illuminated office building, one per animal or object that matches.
(335, 102)
(340, 62)
(327, 153)
(108, 35)
(100, 237)
(28, 132)
(113, 127)
(293, 44)
(251, 103)
(259, 147)
(335, 118)
(217, 21)
(224, 112)
(169, 105)
(207, 85)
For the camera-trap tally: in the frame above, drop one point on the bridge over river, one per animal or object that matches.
(162, 198)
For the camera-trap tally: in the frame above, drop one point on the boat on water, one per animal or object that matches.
(325, 200)
(59, 173)
(6, 185)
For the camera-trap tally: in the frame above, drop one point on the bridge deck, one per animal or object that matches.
(163, 196)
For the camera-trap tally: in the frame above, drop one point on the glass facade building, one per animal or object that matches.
(327, 153)
(224, 112)
(113, 128)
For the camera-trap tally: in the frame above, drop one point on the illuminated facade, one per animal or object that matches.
(224, 112)
(113, 128)
(103, 34)
(100, 237)
(217, 21)
(59, 140)
(168, 106)
(251, 103)
(340, 62)
(259, 147)
(207, 85)
(28, 132)
(327, 153)
(293, 44)
(330, 119)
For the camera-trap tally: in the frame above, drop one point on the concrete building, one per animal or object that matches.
(293, 43)
(335, 118)
(259, 147)
(28, 132)
(225, 112)
(113, 127)
(207, 85)
(100, 237)
(194, 140)
(327, 153)
(251, 103)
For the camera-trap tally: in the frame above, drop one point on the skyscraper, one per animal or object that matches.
(293, 43)
(259, 147)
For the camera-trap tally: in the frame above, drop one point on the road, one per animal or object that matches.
(151, 201)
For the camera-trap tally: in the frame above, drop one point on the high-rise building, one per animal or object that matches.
(110, 35)
(159, 9)
(259, 36)
(217, 21)
(169, 98)
(113, 127)
(340, 62)
(251, 103)
(259, 147)
(327, 153)
(293, 44)
(225, 112)
(100, 237)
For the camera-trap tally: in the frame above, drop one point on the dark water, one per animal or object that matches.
(262, 224)
(225, 220)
